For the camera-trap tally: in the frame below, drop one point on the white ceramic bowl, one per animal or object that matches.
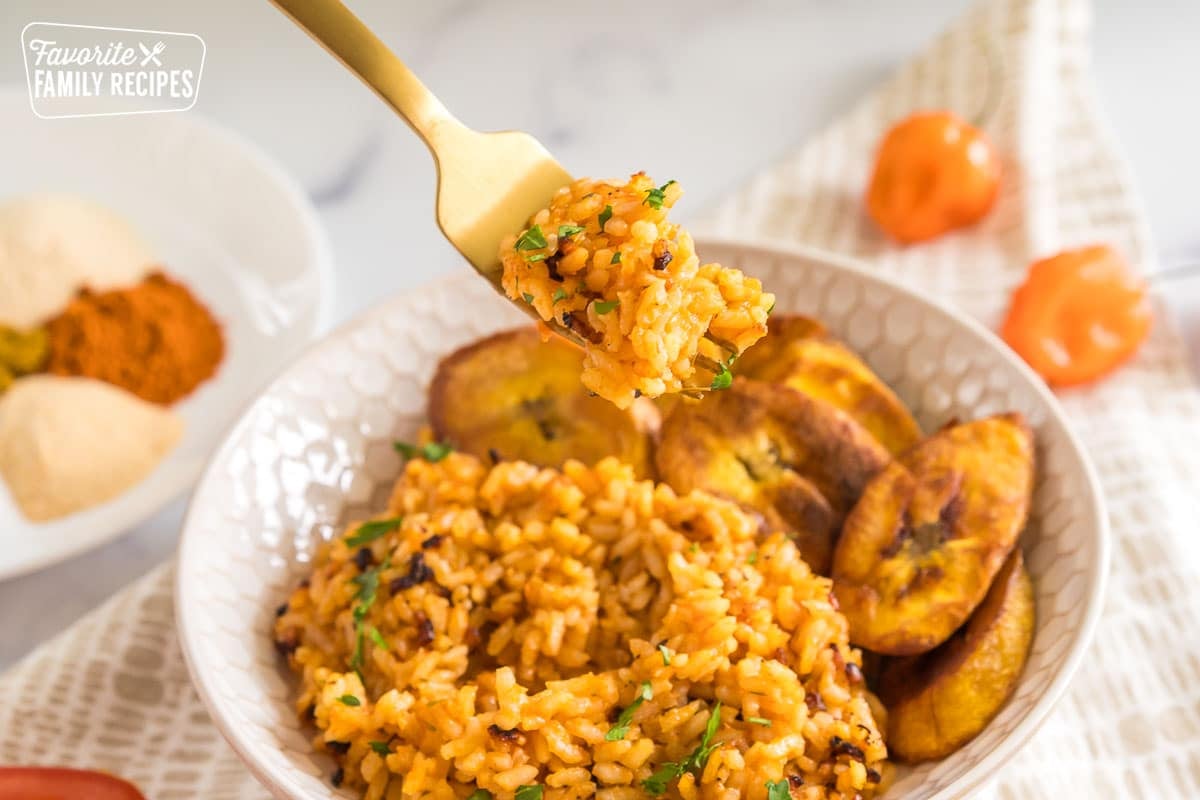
(222, 217)
(316, 448)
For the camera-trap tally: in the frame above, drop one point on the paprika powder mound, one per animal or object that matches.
(154, 339)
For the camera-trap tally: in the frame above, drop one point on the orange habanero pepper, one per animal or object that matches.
(934, 172)
(1078, 316)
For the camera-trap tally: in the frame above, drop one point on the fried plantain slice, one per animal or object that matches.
(800, 353)
(939, 701)
(798, 462)
(920, 548)
(513, 396)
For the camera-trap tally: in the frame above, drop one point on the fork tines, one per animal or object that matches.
(729, 347)
(707, 363)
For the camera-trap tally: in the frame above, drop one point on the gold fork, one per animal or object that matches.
(489, 184)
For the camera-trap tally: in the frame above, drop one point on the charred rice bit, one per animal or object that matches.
(604, 261)
(576, 630)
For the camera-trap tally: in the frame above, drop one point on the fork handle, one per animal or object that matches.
(347, 39)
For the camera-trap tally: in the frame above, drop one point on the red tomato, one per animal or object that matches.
(1078, 315)
(933, 173)
(55, 783)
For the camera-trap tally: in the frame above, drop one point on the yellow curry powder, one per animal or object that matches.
(22, 352)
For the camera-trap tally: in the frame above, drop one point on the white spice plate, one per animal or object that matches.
(222, 217)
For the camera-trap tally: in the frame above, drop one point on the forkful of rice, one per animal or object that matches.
(595, 262)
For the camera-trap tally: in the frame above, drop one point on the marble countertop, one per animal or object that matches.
(752, 81)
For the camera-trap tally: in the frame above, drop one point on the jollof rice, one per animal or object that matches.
(603, 260)
(551, 634)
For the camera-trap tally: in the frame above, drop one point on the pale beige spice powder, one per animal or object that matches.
(52, 245)
(70, 443)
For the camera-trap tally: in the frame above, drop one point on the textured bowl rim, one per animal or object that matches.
(980, 774)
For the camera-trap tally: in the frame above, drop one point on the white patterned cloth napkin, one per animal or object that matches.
(112, 692)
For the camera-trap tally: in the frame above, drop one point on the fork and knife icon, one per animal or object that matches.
(152, 55)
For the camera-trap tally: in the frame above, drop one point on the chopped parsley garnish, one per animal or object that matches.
(370, 531)
(656, 784)
(723, 379)
(368, 586)
(534, 258)
(381, 748)
(616, 259)
(695, 548)
(779, 790)
(699, 756)
(666, 654)
(560, 294)
(605, 216)
(606, 306)
(436, 451)
(480, 794)
(377, 637)
(766, 723)
(772, 308)
(567, 231)
(528, 297)
(528, 792)
(617, 732)
(752, 559)
(656, 197)
(532, 239)
(349, 700)
(432, 452)
(364, 598)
